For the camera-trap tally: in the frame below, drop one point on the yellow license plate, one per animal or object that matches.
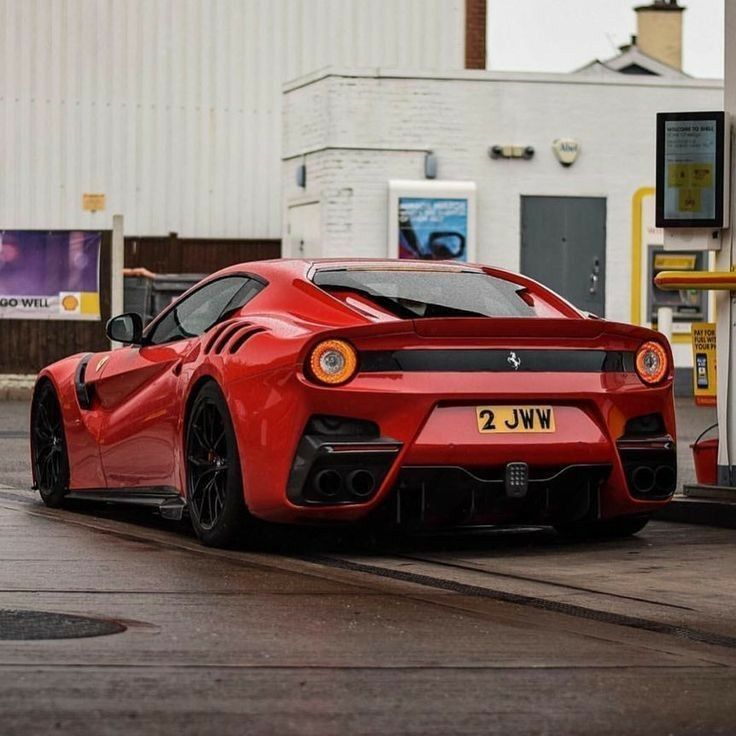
(507, 419)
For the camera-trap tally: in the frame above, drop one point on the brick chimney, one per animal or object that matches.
(659, 31)
(475, 34)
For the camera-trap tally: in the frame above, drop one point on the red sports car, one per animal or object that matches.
(407, 392)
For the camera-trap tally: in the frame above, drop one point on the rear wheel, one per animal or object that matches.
(214, 482)
(48, 446)
(624, 526)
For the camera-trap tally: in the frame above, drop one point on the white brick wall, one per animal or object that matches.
(347, 115)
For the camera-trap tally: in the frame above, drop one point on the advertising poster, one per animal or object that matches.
(49, 275)
(704, 363)
(432, 220)
(433, 228)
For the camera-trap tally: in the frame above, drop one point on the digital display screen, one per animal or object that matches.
(690, 161)
(690, 169)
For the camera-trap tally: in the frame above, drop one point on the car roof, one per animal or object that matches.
(286, 273)
(290, 268)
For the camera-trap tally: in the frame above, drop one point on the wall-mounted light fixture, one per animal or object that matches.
(525, 152)
(430, 165)
(301, 175)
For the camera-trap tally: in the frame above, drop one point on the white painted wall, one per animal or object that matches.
(172, 108)
(366, 128)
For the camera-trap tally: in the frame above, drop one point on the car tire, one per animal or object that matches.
(48, 445)
(214, 481)
(624, 526)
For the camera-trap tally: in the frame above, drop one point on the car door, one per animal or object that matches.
(141, 390)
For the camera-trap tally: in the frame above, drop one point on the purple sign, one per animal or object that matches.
(49, 275)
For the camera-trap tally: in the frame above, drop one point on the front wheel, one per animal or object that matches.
(48, 446)
(624, 526)
(214, 481)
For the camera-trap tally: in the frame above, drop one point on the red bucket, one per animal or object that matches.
(705, 458)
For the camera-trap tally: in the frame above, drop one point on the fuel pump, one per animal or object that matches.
(693, 202)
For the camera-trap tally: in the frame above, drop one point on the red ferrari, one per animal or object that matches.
(411, 393)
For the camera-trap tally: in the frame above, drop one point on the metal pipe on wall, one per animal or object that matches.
(725, 299)
(664, 322)
(117, 280)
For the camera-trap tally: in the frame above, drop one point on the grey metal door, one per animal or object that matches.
(563, 245)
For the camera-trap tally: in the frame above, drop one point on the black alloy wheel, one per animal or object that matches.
(214, 482)
(48, 446)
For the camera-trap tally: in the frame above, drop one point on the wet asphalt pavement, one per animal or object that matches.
(312, 632)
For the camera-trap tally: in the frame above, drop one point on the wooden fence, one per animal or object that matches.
(27, 345)
(195, 255)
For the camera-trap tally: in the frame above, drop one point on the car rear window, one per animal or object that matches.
(424, 294)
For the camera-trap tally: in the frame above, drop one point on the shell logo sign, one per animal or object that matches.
(69, 302)
(79, 304)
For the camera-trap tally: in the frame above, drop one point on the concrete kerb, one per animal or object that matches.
(686, 510)
(16, 387)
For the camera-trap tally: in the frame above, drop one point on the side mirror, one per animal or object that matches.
(126, 328)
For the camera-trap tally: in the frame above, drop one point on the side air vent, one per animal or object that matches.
(225, 336)
(84, 392)
(218, 330)
(243, 337)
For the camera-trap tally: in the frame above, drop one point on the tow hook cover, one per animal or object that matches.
(517, 480)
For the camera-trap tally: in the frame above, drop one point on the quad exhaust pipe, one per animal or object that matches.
(666, 478)
(359, 483)
(328, 483)
(645, 479)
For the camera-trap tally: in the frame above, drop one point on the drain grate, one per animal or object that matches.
(19, 625)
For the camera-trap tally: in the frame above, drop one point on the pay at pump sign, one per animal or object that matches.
(704, 363)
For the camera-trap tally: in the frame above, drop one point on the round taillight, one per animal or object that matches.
(652, 363)
(333, 362)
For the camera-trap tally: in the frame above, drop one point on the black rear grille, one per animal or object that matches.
(495, 361)
(452, 495)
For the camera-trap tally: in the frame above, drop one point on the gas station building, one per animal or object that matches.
(559, 170)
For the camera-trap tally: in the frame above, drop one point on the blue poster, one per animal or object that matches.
(433, 228)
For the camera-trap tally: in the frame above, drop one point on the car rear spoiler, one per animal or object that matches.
(551, 329)
(539, 331)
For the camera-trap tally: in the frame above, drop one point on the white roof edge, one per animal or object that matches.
(622, 80)
(594, 62)
(634, 55)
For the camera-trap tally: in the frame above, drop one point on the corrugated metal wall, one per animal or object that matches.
(172, 108)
